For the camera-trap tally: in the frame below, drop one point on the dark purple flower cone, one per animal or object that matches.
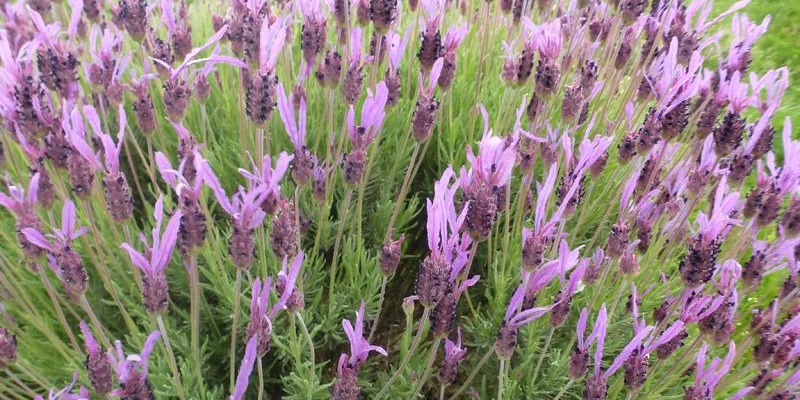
(119, 200)
(155, 293)
(100, 374)
(433, 280)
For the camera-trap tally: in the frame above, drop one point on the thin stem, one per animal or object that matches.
(428, 365)
(98, 327)
(235, 328)
(501, 378)
(403, 191)
(474, 373)
(260, 379)
(542, 354)
(57, 306)
(381, 298)
(337, 245)
(307, 335)
(407, 358)
(171, 360)
(564, 389)
(194, 289)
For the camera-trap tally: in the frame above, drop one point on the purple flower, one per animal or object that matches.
(97, 364)
(132, 370)
(67, 394)
(286, 283)
(453, 354)
(444, 223)
(245, 369)
(359, 347)
(20, 202)
(261, 315)
(397, 47)
(155, 258)
(745, 34)
(579, 361)
(707, 377)
(372, 115)
(62, 237)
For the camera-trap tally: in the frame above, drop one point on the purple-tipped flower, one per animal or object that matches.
(484, 183)
(424, 116)
(132, 370)
(82, 161)
(391, 251)
(548, 41)
(133, 16)
(708, 376)
(563, 300)
(304, 160)
(62, 257)
(193, 227)
(372, 115)
(720, 323)
(180, 32)
(22, 204)
(453, 354)
(448, 246)
(67, 392)
(97, 364)
(443, 316)
(431, 46)
(455, 35)
(155, 259)
(246, 213)
(119, 199)
(579, 360)
(354, 76)
(55, 58)
(269, 178)
(515, 317)
(286, 283)
(346, 386)
(383, 13)
(314, 32)
(397, 47)
(260, 84)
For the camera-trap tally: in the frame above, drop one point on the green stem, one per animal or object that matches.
(98, 327)
(427, 370)
(260, 379)
(474, 373)
(307, 335)
(57, 306)
(501, 377)
(173, 363)
(194, 289)
(543, 353)
(337, 246)
(381, 298)
(409, 354)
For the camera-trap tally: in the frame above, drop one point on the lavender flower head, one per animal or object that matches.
(424, 117)
(286, 282)
(303, 161)
(246, 213)
(372, 115)
(313, 36)
(62, 257)
(132, 370)
(484, 183)
(397, 47)
(579, 360)
(155, 259)
(81, 162)
(119, 199)
(67, 392)
(96, 363)
(453, 354)
(261, 315)
(708, 376)
(431, 46)
(515, 317)
(354, 76)
(260, 85)
(452, 39)
(269, 179)
(22, 204)
(346, 386)
(448, 246)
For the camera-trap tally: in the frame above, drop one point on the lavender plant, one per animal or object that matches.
(624, 224)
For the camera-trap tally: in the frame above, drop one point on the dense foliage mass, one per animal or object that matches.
(393, 200)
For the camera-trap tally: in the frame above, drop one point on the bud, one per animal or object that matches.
(119, 200)
(242, 247)
(81, 175)
(424, 117)
(393, 84)
(261, 327)
(193, 229)
(697, 266)
(72, 273)
(8, 348)
(443, 316)
(346, 385)
(353, 166)
(132, 15)
(303, 165)
(353, 81)
(383, 13)
(636, 367)
(433, 280)
(430, 49)
(155, 293)
(144, 110)
(674, 122)
(506, 342)
(728, 134)
(202, 89)
(448, 73)
(596, 388)
(627, 148)
(547, 77)
(617, 240)
(578, 363)
(284, 233)
(573, 103)
(260, 98)
(329, 72)
(524, 66)
(390, 255)
(588, 77)
(534, 108)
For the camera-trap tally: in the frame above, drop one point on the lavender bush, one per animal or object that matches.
(384, 199)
